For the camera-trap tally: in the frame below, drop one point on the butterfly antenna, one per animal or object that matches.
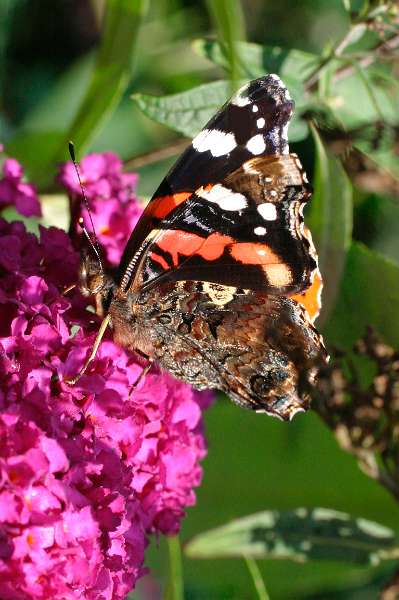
(95, 246)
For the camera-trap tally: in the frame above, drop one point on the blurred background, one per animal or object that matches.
(60, 80)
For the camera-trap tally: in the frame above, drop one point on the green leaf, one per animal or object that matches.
(369, 295)
(108, 81)
(385, 156)
(299, 535)
(55, 211)
(355, 33)
(35, 150)
(330, 220)
(188, 112)
(112, 70)
(229, 21)
(347, 5)
(258, 60)
(360, 99)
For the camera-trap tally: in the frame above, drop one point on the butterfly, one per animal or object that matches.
(219, 282)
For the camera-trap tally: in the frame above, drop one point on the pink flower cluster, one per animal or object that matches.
(86, 471)
(111, 195)
(14, 191)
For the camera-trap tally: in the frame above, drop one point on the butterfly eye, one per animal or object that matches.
(90, 275)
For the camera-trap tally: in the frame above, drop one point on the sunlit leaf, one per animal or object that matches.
(347, 5)
(188, 112)
(369, 295)
(364, 97)
(299, 535)
(55, 211)
(355, 33)
(287, 63)
(330, 220)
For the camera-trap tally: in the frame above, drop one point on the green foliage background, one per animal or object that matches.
(123, 75)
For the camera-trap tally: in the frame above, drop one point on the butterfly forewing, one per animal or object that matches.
(246, 231)
(253, 123)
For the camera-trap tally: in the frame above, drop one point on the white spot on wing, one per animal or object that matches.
(217, 142)
(255, 108)
(226, 199)
(256, 144)
(282, 85)
(241, 98)
(219, 294)
(260, 123)
(260, 230)
(284, 138)
(268, 211)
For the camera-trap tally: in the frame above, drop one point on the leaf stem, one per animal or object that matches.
(369, 58)
(257, 579)
(175, 589)
(364, 62)
(171, 149)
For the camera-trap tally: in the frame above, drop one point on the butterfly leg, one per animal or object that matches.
(104, 325)
(69, 289)
(141, 376)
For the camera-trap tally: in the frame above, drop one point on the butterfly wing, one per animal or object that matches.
(253, 123)
(260, 349)
(246, 232)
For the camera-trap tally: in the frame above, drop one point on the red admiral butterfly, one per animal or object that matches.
(219, 281)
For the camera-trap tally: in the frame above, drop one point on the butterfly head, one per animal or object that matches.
(93, 281)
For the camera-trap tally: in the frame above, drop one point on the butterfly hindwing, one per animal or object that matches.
(262, 350)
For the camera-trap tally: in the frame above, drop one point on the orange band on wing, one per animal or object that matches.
(250, 253)
(160, 260)
(163, 205)
(310, 299)
(183, 243)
